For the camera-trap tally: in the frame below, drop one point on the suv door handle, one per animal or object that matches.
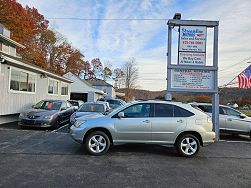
(180, 121)
(146, 121)
(229, 119)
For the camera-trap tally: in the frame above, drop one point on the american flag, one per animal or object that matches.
(244, 78)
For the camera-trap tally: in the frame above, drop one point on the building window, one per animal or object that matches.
(64, 88)
(53, 87)
(22, 81)
(12, 51)
(5, 48)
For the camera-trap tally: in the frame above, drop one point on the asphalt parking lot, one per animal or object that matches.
(50, 158)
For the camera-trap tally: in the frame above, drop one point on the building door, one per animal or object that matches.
(79, 96)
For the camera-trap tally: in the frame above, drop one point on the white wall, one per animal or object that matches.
(80, 86)
(92, 96)
(14, 102)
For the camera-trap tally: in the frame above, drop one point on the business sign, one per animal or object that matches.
(192, 58)
(192, 79)
(192, 38)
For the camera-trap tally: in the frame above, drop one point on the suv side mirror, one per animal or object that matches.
(243, 116)
(121, 114)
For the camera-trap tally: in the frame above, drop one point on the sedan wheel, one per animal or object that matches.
(97, 143)
(188, 145)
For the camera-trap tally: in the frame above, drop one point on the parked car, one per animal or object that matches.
(89, 108)
(76, 103)
(47, 113)
(149, 122)
(114, 103)
(230, 120)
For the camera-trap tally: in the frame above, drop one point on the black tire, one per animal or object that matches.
(192, 147)
(56, 125)
(101, 146)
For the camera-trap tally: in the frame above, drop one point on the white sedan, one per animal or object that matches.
(231, 120)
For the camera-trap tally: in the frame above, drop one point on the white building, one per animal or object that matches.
(82, 90)
(23, 84)
(104, 86)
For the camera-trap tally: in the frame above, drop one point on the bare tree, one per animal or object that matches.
(130, 76)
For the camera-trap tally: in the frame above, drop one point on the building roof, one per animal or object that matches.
(20, 63)
(87, 86)
(98, 82)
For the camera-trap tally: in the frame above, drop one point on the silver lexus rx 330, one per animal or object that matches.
(148, 122)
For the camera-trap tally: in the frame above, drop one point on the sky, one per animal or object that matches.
(146, 40)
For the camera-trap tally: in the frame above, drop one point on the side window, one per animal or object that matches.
(137, 111)
(63, 105)
(164, 110)
(206, 108)
(230, 112)
(181, 112)
(222, 111)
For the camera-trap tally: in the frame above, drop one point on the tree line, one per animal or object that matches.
(50, 50)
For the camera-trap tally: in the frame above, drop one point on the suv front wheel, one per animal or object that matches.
(187, 145)
(97, 143)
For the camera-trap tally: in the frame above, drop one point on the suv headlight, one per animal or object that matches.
(79, 123)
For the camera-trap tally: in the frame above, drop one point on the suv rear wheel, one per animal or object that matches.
(97, 143)
(188, 145)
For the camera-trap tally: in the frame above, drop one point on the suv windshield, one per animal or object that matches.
(92, 108)
(48, 105)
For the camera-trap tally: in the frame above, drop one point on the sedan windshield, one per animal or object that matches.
(92, 108)
(48, 105)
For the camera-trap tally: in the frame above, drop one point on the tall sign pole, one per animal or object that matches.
(191, 73)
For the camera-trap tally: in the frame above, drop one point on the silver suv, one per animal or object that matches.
(149, 122)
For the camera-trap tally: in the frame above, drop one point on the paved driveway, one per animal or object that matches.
(31, 158)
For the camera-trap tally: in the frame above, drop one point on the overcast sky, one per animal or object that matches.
(116, 41)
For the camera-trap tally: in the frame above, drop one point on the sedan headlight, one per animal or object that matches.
(21, 115)
(79, 123)
(48, 117)
(72, 118)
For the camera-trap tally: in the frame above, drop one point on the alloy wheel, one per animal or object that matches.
(97, 144)
(189, 146)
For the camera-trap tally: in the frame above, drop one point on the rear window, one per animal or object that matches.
(167, 110)
(181, 112)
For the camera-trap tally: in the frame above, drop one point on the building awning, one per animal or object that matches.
(11, 41)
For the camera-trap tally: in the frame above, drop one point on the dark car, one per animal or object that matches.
(76, 103)
(114, 103)
(47, 113)
(88, 109)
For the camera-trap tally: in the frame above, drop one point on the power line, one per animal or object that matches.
(108, 19)
(238, 63)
